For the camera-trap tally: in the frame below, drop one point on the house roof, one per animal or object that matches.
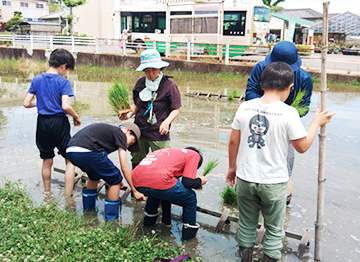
(54, 15)
(297, 20)
(347, 23)
(306, 13)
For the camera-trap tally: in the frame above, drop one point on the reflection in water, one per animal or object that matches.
(207, 124)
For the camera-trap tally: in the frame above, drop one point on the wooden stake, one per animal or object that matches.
(321, 172)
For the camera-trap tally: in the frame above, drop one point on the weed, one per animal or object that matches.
(234, 93)
(46, 233)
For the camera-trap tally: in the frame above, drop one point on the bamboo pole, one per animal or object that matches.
(322, 141)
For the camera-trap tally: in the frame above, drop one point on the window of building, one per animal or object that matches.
(23, 4)
(234, 23)
(39, 6)
(8, 3)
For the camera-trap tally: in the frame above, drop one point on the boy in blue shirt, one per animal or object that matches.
(53, 91)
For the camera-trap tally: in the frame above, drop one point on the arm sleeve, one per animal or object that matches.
(191, 183)
(307, 85)
(253, 89)
(66, 88)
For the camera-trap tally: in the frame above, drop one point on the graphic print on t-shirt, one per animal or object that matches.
(259, 125)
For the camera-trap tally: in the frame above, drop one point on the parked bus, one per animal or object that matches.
(242, 25)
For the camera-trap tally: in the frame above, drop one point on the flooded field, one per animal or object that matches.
(206, 124)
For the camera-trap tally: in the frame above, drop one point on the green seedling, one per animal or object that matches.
(228, 196)
(210, 166)
(119, 98)
(298, 102)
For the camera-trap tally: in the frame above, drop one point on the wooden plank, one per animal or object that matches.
(222, 220)
(304, 242)
(214, 213)
(100, 185)
(126, 194)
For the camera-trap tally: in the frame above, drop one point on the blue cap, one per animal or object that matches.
(287, 52)
(151, 59)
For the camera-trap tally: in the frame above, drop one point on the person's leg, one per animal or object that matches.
(143, 151)
(69, 178)
(112, 203)
(156, 145)
(273, 207)
(46, 173)
(166, 213)
(113, 192)
(249, 209)
(152, 204)
(92, 184)
(290, 165)
(89, 194)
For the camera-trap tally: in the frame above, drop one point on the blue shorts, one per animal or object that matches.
(97, 166)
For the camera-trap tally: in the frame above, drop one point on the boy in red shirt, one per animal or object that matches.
(157, 177)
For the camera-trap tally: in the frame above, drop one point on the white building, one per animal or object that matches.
(31, 10)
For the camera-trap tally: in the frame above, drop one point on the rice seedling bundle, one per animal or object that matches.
(119, 98)
(210, 166)
(228, 195)
(298, 102)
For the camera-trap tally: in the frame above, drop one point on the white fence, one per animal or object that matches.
(186, 51)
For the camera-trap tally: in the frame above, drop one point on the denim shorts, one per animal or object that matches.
(97, 166)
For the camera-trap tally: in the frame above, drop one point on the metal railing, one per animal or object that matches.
(188, 50)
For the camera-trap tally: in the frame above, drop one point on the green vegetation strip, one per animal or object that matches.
(45, 233)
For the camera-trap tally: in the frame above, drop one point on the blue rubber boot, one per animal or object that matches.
(112, 209)
(89, 198)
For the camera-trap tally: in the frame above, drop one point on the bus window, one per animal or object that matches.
(261, 14)
(234, 23)
(148, 22)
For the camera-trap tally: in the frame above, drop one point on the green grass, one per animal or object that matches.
(298, 103)
(228, 196)
(234, 93)
(45, 233)
(210, 166)
(119, 97)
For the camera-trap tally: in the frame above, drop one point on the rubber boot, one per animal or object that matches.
(112, 209)
(166, 213)
(246, 254)
(150, 219)
(88, 198)
(189, 231)
(266, 258)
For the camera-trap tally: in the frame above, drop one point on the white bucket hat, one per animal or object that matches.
(151, 59)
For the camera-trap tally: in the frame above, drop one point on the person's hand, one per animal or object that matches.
(124, 116)
(164, 128)
(139, 196)
(121, 184)
(203, 180)
(323, 117)
(230, 177)
(77, 121)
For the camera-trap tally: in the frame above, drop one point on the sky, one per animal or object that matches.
(335, 6)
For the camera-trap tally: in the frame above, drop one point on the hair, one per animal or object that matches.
(277, 76)
(60, 57)
(133, 133)
(197, 151)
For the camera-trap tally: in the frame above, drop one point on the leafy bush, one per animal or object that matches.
(228, 195)
(304, 50)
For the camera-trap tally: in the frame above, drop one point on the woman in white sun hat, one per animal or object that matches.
(157, 103)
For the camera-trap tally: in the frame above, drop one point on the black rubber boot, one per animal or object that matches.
(246, 254)
(150, 219)
(189, 231)
(266, 258)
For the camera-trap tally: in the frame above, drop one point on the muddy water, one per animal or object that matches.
(206, 124)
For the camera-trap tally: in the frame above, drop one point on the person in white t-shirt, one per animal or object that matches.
(258, 149)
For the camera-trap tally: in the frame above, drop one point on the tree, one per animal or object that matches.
(71, 4)
(268, 2)
(54, 6)
(12, 23)
(275, 9)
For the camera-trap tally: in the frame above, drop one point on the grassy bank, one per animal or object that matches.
(46, 233)
(22, 69)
